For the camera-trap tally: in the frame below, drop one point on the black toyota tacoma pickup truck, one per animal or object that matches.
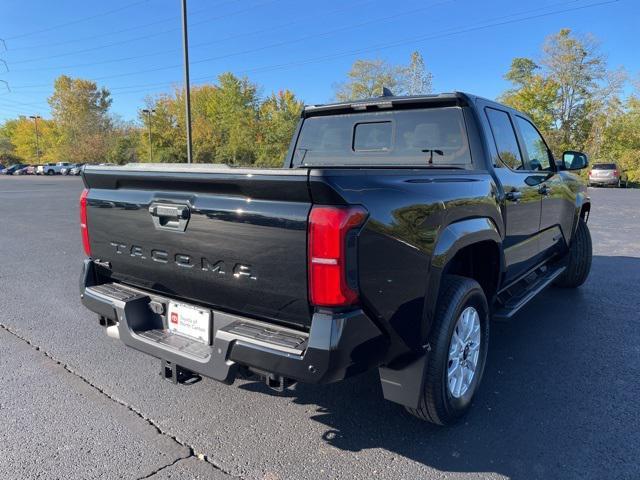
(398, 227)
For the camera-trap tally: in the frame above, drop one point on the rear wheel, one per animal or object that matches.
(579, 258)
(50, 172)
(459, 340)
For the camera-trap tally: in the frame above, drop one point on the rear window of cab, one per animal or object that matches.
(417, 137)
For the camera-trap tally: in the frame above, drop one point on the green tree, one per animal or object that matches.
(278, 117)
(18, 137)
(567, 92)
(81, 112)
(7, 148)
(167, 129)
(534, 94)
(234, 115)
(8, 155)
(522, 71)
(224, 123)
(621, 138)
(367, 78)
(578, 68)
(124, 143)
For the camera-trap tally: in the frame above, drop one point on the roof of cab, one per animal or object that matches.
(407, 101)
(391, 101)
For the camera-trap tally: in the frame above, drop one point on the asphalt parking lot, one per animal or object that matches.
(559, 397)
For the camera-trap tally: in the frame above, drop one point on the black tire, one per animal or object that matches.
(50, 172)
(437, 404)
(579, 258)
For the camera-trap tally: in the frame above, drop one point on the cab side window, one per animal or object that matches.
(534, 146)
(505, 138)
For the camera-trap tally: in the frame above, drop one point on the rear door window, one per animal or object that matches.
(416, 137)
(505, 139)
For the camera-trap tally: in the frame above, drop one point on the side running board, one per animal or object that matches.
(517, 296)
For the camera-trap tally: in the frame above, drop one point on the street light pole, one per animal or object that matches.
(187, 90)
(149, 112)
(35, 120)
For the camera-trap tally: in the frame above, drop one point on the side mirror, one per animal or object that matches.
(574, 160)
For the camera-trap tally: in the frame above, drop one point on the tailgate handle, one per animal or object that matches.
(169, 216)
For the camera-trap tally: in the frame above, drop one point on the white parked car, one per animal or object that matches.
(52, 168)
(67, 170)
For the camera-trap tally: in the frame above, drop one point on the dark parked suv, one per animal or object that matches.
(396, 229)
(607, 174)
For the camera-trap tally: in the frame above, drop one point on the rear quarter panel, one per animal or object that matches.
(408, 210)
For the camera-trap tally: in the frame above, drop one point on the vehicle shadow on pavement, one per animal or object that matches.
(545, 407)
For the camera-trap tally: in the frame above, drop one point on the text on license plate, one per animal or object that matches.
(191, 321)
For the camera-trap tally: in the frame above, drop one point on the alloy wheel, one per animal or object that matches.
(464, 352)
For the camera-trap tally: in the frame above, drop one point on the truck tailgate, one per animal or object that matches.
(231, 239)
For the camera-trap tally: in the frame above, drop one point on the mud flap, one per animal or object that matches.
(404, 385)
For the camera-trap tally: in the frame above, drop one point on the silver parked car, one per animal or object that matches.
(76, 169)
(607, 174)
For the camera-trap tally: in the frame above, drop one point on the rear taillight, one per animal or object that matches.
(590, 172)
(615, 173)
(84, 230)
(332, 262)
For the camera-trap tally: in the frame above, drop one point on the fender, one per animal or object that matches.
(451, 240)
(399, 385)
(461, 234)
(582, 200)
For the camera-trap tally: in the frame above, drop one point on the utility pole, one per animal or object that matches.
(149, 112)
(35, 120)
(187, 90)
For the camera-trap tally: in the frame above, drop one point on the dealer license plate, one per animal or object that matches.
(190, 321)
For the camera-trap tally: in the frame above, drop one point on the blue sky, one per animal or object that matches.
(133, 47)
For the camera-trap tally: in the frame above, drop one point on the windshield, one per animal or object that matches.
(420, 137)
(604, 166)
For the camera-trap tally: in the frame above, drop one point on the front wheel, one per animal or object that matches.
(579, 258)
(50, 172)
(459, 341)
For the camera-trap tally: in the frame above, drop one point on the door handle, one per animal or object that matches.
(513, 195)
